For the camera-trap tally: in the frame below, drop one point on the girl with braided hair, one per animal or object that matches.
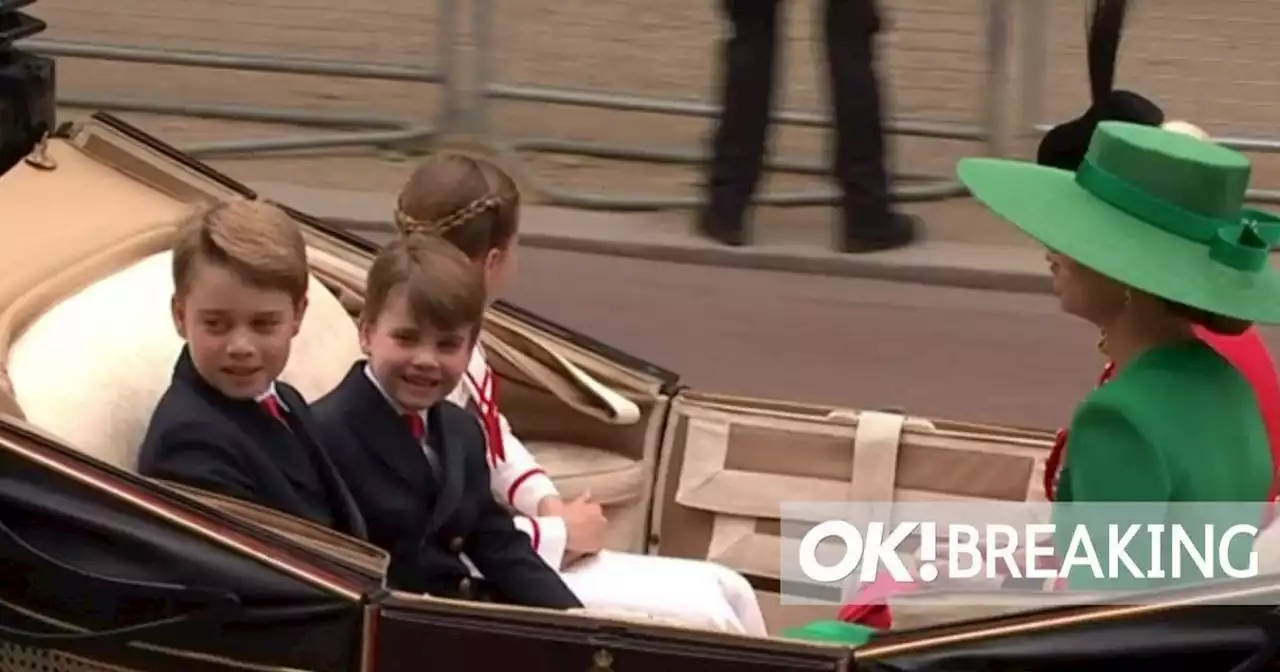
(474, 205)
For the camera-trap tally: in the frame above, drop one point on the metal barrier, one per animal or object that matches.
(1194, 59)
(1185, 56)
(991, 130)
(380, 131)
(348, 129)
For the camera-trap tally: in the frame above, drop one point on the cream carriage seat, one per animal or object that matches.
(92, 368)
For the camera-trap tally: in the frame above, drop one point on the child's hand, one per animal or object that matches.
(550, 507)
(570, 558)
(585, 521)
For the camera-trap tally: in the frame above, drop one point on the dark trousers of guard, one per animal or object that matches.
(749, 70)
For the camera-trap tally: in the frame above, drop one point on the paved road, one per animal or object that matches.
(959, 354)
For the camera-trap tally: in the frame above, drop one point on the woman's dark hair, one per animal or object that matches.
(1218, 324)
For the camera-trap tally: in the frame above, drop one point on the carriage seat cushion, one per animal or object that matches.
(92, 368)
(613, 479)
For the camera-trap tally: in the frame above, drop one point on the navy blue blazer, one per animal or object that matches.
(201, 438)
(427, 521)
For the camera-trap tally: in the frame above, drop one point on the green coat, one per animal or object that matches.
(1178, 425)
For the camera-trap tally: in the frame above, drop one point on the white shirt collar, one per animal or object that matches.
(368, 372)
(271, 392)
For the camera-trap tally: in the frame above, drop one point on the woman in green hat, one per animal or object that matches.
(1179, 424)
(1065, 146)
(1148, 238)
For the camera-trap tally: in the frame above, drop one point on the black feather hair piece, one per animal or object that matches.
(1065, 145)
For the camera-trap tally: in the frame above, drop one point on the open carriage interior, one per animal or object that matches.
(87, 347)
(682, 473)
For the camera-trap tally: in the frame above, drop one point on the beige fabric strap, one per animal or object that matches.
(706, 449)
(728, 532)
(705, 452)
(875, 456)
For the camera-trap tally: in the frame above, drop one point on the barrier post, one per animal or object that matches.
(451, 113)
(996, 91)
(483, 12)
(1034, 42)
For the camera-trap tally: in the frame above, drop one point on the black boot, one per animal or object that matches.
(733, 235)
(901, 230)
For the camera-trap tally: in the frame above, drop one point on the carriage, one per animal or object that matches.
(120, 572)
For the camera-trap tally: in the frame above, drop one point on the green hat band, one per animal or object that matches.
(1243, 244)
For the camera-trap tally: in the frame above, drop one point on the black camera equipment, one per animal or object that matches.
(27, 107)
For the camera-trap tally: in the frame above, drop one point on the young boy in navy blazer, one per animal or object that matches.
(415, 462)
(226, 424)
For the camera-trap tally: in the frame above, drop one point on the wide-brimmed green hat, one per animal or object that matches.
(1160, 211)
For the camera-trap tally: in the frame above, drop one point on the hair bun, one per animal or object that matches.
(1185, 128)
(1213, 322)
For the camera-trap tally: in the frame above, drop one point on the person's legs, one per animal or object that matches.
(860, 156)
(748, 65)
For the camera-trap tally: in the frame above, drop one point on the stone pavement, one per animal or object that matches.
(1008, 267)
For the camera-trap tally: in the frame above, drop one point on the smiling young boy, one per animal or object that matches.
(415, 462)
(226, 424)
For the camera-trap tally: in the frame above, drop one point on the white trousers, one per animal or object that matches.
(697, 593)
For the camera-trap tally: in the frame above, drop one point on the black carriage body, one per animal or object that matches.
(105, 570)
(499, 639)
(104, 566)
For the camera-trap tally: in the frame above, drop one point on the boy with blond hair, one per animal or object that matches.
(226, 424)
